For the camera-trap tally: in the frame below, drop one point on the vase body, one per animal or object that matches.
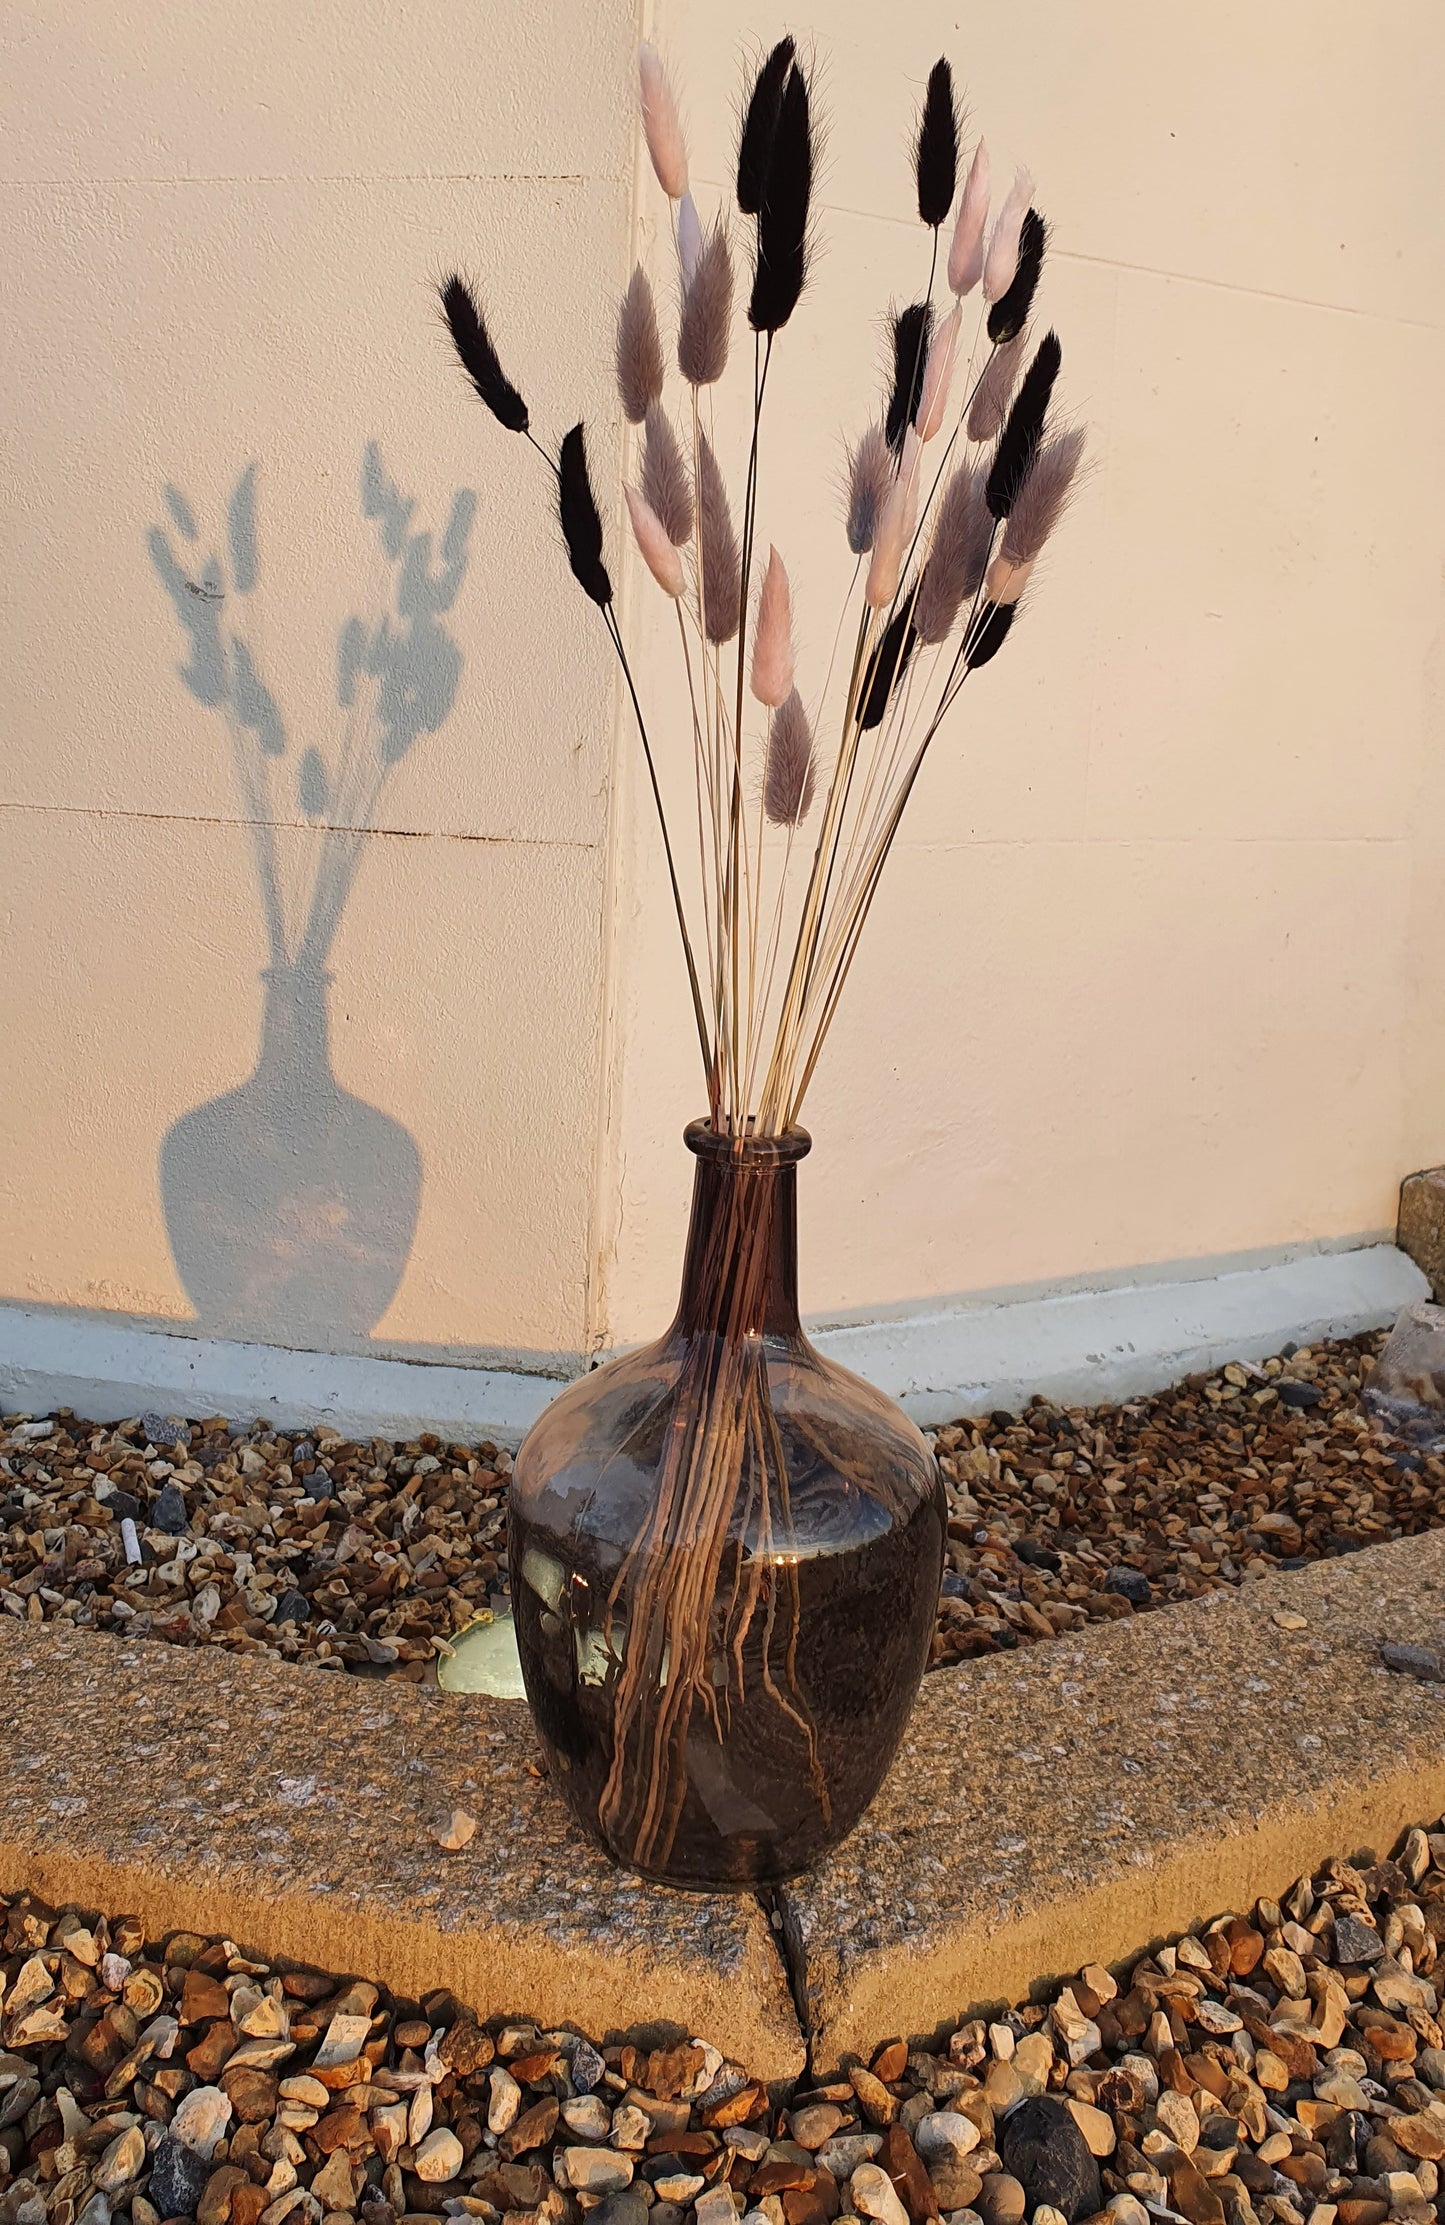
(725, 1555)
(290, 1203)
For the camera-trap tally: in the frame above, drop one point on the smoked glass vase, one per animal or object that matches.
(726, 1554)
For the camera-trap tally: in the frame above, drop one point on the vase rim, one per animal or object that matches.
(784, 1150)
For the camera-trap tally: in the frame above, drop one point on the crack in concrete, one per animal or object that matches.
(786, 1932)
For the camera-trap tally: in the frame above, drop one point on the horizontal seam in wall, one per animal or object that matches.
(319, 177)
(945, 845)
(301, 826)
(1148, 270)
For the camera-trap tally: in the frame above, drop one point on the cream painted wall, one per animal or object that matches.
(222, 228)
(1156, 974)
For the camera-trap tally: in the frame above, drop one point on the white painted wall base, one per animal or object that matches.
(1079, 1346)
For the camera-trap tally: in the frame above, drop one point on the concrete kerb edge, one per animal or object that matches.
(1076, 1346)
(371, 1925)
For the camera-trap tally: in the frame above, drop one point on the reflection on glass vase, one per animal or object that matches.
(290, 1204)
(726, 1554)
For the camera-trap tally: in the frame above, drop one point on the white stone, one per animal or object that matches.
(1128, 2209)
(715, 2207)
(873, 2194)
(505, 2101)
(1176, 2114)
(1096, 2125)
(419, 2116)
(595, 2170)
(1002, 2041)
(388, 2129)
(114, 1970)
(1033, 2059)
(344, 2039)
(631, 2128)
(201, 2118)
(588, 2116)
(944, 2132)
(122, 2161)
(439, 2157)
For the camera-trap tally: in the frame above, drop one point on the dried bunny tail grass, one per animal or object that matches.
(721, 562)
(707, 308)
(660, 123)
(1001, 261)
(1043, 497)
(935, 152)
(962, 537)
(1010, 313)
(789, 774)
(938, 373)
(965, 254)
(581, 524)
(760, 124)
(995, 389)
(1018, 443)
(772, 674)
(1006, 581)
(912, 329)
(988, 633)
(666, 487)
(782, 255)
(639, 349)
(689, 236)
(472, 341)
(886, 666)
(895, 523)
(658, 553)
(870, 475)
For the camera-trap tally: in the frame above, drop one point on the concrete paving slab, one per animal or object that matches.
(1072, 1802)
(291, 1810)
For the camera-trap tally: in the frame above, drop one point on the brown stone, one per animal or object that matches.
(670, 2069)
(1308, 2171)
(734, 2109)
(203, 1998)
(532, 2129)
(214, 2207)
(956, 2185)
(339, 2128)
(802, 2206)
(247, 2203)
(413, 2031)
(1361, 2210)
(1175, 2071)
(208, 2057)
(529, 2069)
(905, 2167)
(1419, 2136)
(466, 2048)
(252, 2093)
(874, 2099)
(1204, 2070)
(1191, 2193)
(891, 2061)
(777, 2177)
(1420, 1228)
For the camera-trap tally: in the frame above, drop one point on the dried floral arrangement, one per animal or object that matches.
(950, 498)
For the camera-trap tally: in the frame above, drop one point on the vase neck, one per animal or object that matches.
(295, 1025)
(740, 1269)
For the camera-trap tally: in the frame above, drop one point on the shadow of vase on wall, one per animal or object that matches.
(291, 1204)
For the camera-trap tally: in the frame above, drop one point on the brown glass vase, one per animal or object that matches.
(726, 1554)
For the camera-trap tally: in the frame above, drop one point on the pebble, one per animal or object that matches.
(1043, 2148)
(943, 2132)
(1002, 2200)
(440, 2156)
(595, 2170)
(872, 2194)
(368, 1558)
(178, 2178)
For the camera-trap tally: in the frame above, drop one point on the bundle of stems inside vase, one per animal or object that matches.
(950, 498)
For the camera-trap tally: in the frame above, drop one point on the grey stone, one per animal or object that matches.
(1355, 1942)
(626, 2208)
(1129, 1583)
(1042, 2147)
(1406, 1388)
(1416, 1661)
(293, 1606)
(587, 2067)
(168, 1511)
(178, 2178)
(161, 1430)
(124, 1506)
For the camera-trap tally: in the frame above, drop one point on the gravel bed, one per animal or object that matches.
(1280, 2067)
(369, 1557)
